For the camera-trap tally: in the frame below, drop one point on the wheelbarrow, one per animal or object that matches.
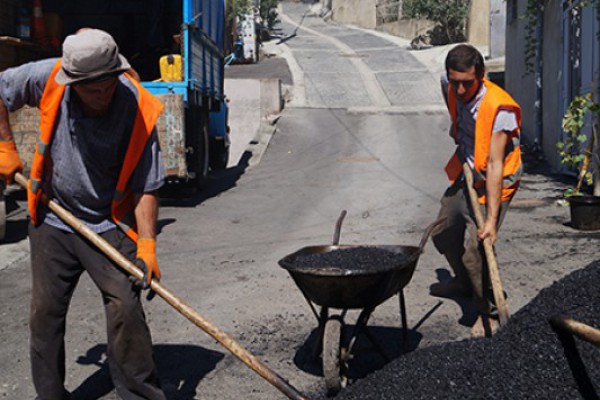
(333, 285)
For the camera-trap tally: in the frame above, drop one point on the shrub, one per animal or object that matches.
(572, 150)
(450, 16)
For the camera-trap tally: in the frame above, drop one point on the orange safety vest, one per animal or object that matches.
(149, 109)
(494, 100)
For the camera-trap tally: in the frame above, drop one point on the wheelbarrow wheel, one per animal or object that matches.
(332, 363)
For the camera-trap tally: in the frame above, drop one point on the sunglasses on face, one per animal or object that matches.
(467, 84)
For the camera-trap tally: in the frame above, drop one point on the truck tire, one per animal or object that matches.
(219, 155)
(202, 156)
(199, 156)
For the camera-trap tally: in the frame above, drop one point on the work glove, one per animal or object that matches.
(146, 261)
(10, 162)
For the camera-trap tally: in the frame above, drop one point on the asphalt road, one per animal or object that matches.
(337, 146)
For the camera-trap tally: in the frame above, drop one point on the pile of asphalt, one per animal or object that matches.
(525, 359)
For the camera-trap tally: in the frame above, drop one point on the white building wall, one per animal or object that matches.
(522, 86)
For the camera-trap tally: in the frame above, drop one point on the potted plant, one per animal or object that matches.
(585, 159)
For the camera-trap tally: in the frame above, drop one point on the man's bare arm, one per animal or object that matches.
(5, 131)
(146, 214)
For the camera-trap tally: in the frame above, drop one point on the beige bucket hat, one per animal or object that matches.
(90, 55)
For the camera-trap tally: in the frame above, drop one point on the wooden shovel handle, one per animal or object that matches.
(227, 341)
(338, 228)
(489, 250)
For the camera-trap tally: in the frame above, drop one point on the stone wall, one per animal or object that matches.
(355, 12)
(407, 28)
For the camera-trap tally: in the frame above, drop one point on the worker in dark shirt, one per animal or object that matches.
(98, 157)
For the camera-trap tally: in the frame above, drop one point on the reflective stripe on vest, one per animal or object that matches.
(127, 224)
(494, 100)
(149, 109)
(41, 147)
(35, 185)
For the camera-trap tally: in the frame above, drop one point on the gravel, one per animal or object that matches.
(367, 259)
(525, 359)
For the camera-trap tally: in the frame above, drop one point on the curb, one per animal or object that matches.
(258, 146)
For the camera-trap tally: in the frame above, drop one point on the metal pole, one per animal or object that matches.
(539, 71)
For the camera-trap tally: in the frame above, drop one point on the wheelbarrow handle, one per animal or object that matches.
(424, 239)
(338, 228)
(223, 338)
(428, 231)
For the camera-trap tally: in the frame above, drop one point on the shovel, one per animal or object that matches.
(227, 341)
(489, 250)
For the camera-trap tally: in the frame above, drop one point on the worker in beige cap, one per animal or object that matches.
(98, 157)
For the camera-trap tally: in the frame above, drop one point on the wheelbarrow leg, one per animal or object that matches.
(361, 323)
(361, 326)
(403, 317)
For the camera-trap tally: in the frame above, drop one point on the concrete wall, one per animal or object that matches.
(497, 41)
(478, 23)
(519, 85)
(252, 103)
(355, 12)
(408, 28)
(552, 111)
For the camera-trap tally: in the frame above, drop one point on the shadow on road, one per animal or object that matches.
(180, 368)
(17, 220)
(15, 231)
(366, 358)
(219, 182)
(469, 313)
(161, 223)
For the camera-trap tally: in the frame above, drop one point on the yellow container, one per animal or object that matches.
(171, 68)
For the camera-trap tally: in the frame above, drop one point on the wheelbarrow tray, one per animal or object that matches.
(336, 287)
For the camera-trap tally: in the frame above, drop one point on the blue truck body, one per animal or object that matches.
(203, 51)
(194, 130)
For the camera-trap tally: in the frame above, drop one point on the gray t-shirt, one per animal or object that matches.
(86, 153)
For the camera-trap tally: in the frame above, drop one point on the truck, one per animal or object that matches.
(176, 47)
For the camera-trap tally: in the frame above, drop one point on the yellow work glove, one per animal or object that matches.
(146, 251)
(10, 162)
